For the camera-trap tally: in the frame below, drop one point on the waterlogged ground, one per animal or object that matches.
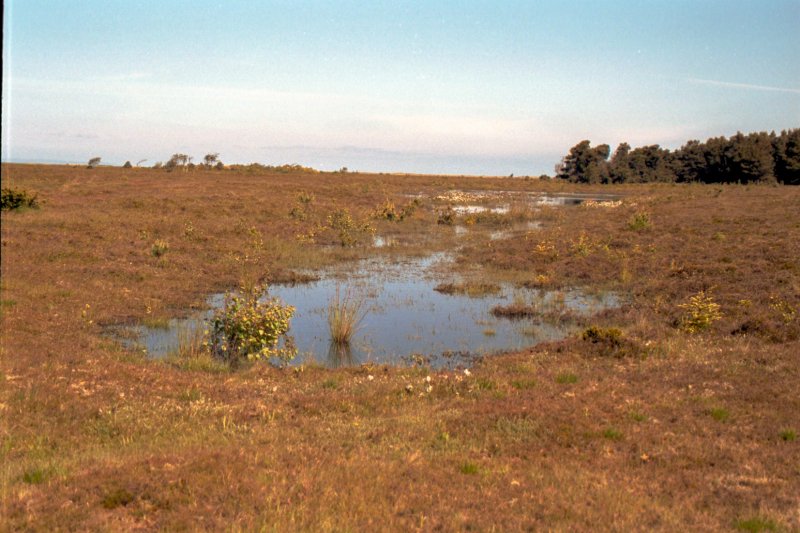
(405, 319)
(642, 426)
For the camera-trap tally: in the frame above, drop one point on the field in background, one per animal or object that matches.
(666, 414)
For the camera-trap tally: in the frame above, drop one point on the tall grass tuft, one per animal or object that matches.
(345, 313)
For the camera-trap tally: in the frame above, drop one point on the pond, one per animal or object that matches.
(406, 319)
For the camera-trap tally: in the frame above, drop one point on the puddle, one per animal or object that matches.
(519, 228)
(473, 209)
(383, 241)
(406, 318)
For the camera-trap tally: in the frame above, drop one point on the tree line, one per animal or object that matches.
(755, 157)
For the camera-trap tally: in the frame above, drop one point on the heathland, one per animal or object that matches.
(676, 410)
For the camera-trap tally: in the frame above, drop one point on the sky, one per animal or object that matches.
(452, 87)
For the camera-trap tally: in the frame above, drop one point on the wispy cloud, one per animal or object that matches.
(746, 86)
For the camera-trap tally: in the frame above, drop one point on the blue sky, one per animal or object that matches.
(444, 87)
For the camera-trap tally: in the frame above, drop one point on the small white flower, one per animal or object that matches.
(427, 379)
(467, 372)
(429, 388)
(370, 377)
(409, 388)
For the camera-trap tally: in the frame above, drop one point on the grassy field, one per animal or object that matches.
(677, 411)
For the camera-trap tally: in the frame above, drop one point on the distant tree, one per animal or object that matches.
(209, 160)
(585, 164)
(650, 163)
(93, 162)
(139, 162)
(127, 165)
(744, 158)
(158, 164)
(618, 170)
(177, 160)
(786, 153)
(219, 165)
(751, 157)
(690, 162)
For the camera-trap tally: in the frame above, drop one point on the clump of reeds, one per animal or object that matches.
(345, 313)
(471, 289)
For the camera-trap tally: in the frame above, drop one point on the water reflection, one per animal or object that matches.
(340, 354)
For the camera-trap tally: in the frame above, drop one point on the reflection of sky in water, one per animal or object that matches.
(405, 316)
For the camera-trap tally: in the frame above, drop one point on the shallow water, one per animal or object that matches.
(406, 319)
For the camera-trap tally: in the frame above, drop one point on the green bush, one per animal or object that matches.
(699, 313)
(640, 221)
(597, 335)
(349, 231)
(17, 199)
(250, 327)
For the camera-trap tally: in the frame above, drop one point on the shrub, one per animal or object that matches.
(159, 248)
(11, 199)
(607, 341)
(699, 313)
(597, 335)
(388, 211)
(250, 327)
(446, 217)
(349, 232)
(639, 221)
(117, 498)
(127, 165)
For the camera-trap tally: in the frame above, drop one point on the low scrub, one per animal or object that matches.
(11, 199)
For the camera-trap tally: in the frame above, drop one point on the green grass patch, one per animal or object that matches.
(191, 395)
(117, 498)
(756, 524)
(485, 384)
(468, 468)
(523, 384)
(638, 417)
(788, 435)
(35, 476)
(612, 434)
(566, 378)
(330, 384)
(720, 414)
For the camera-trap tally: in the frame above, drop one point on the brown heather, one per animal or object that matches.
(98, 438)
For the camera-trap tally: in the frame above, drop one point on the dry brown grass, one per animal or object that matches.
(96, 438)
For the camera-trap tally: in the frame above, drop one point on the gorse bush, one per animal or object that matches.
(388, 211)
(699, 313)
(249, 327)
(349, 231)
(11, 199)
